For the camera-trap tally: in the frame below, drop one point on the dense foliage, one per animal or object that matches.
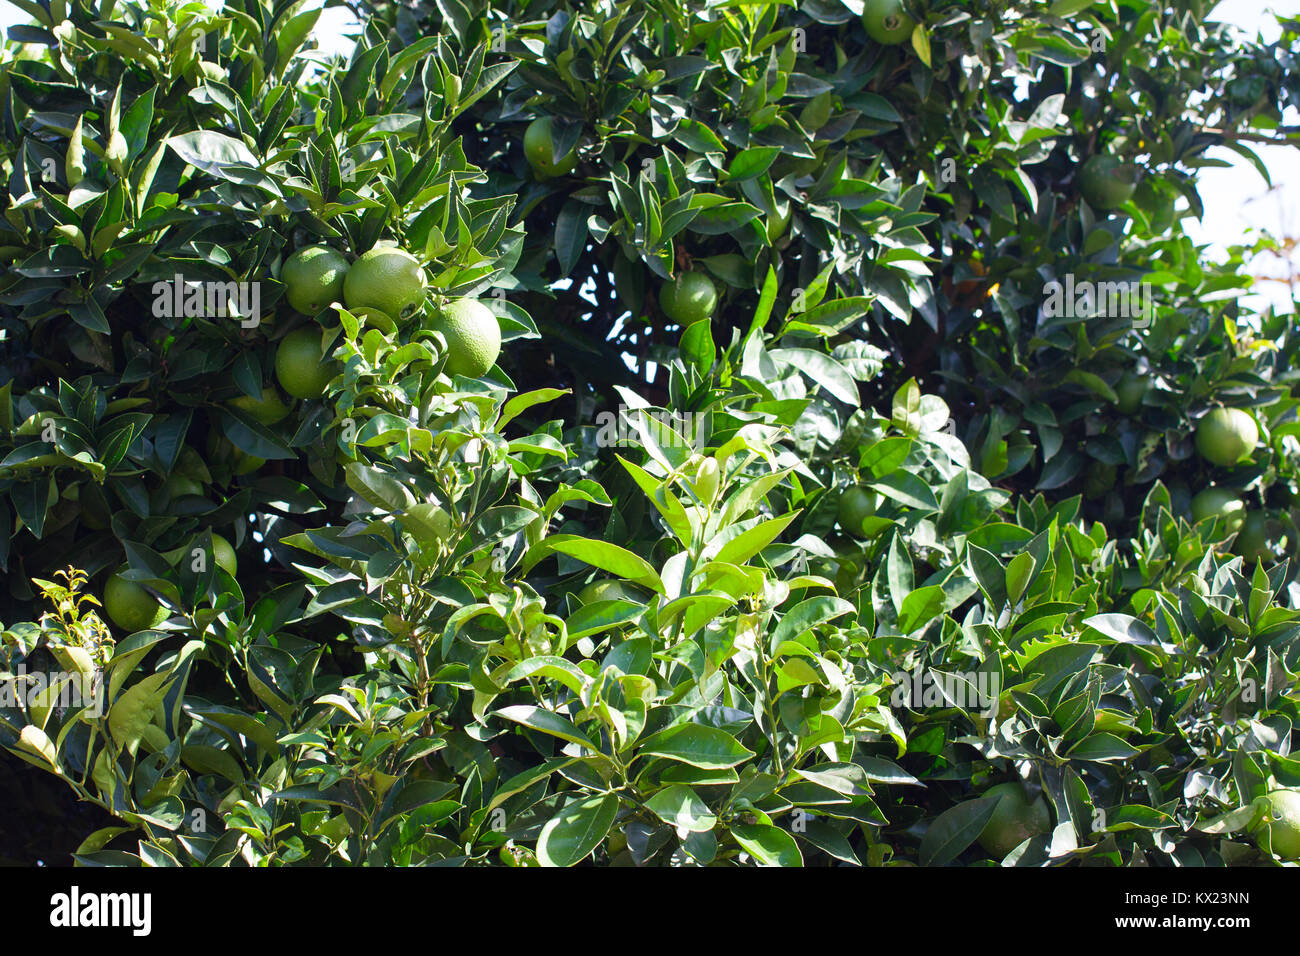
(788, 562)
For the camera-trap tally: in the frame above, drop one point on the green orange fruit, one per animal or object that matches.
(689, 298)
(1281, 822)
(1105, 182)
(179, 486)
(473, 337)
(385, 278)
(539, 150)
(130, 606)
(1219, 503)
(1254, 539)
(301, 366)
(221, 451)
(857, 504)
(886, 22)
(1129, 392)
(267, 410)
(1226, 436)
(313, 278)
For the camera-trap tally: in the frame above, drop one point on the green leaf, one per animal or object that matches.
(547, 722)
(921, 43)
(1019, 570)
(571, 234)
(829, 840)
(680, 807)
(216, 154)
(824, 370)
(722, 219)
(697, 347)
(133, 710)
(766, 299)
(920, 607)
(898, 572)
(1065, 8)
(35, 741)
(752, 162)
(1102, 748)
(1123, 629)
(697, 137)
(697, 745)
(556, 668)
(601, 616)
(748, 543)
(846, 778)
(885, 456)
(1134, 817)
(906, 415)
(880, 770)
(608, 557)
(526, 779)
(1093, 383)
(767, 844)
(289, 37)
(521, 403)
(252, 726)
(954, 830)
(377, 487)
(415, 794)
(1058, 665)
(576, 830)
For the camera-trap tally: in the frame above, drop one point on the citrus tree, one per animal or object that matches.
(645, 434)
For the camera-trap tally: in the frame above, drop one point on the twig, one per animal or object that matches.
(1284, 140)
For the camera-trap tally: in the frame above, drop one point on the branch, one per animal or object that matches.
(1283, 140)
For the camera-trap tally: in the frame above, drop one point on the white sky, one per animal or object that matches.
(1236, 199)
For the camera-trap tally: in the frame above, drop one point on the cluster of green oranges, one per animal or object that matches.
(382, 286)
(385, 283)
(1226, 437)
(689, 298)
